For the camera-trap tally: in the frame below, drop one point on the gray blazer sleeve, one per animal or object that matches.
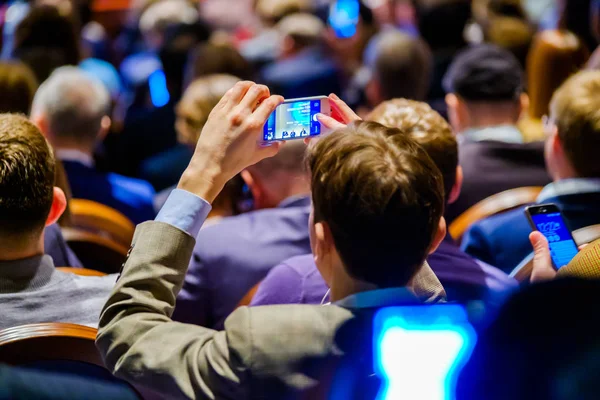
(139, 342)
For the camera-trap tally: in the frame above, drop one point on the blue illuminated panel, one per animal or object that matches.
(419, 350)
(159, 93)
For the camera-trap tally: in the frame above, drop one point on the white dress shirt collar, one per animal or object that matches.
(568, 187)
(76, 156)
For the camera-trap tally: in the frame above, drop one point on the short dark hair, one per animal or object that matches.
(426, 127)
(382, 198)
(17, 85)
(26, 177)
(217, 58)
(402, 64)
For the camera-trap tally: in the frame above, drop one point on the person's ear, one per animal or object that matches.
(440, 234)
(41, 122)
(322, 250)
(373, 92)
(254, 183)
(287, 45)
(455, 191)
(105, 125)
(455, 112)
(59, 205)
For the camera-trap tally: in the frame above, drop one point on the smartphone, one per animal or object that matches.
(343, 18)
(296, 119)
(547, 219)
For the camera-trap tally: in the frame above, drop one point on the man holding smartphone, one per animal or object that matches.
(571, 151)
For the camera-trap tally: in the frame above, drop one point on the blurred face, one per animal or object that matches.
(187, 124)
(551, 133)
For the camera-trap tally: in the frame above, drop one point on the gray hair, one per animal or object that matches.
(73, 103)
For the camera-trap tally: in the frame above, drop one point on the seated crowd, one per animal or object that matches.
(257, 269)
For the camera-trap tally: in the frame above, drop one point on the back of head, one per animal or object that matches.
(575, 109)
(289, 160)
(45, 28)
(401, 64)
(18, 86)
(426, 127)
(160, 15)
(442, 22)
(26, 180)
(217, 58)
(554, 56)
(485, 74)
(201, 96)
(305, 29)
(512, 34)
(382, 198)
(73, 105)
(273, 11)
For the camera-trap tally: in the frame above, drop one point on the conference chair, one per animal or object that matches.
(59, 348)
(102, 220)
(496, 204)
(522, 273)
(81, 271)
(94, 251)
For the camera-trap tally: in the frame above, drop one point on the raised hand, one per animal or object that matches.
(231, 139)
(341, 114)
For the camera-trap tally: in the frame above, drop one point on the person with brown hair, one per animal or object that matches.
(366, 181)
(18, 86)
(31, 289)
(297, 281)
(572, 146)
(216, 58)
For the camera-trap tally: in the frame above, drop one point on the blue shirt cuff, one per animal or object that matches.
(184, 210)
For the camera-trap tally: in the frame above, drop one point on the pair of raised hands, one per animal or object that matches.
(231, 139)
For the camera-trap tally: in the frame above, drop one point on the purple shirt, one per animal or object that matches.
(297, 280)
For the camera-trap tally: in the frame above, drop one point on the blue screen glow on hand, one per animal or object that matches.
(420, 350)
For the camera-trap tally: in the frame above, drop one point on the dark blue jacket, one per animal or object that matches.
(132, 197)
(503, 240)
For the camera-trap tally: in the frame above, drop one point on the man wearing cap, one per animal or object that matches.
(485, 85)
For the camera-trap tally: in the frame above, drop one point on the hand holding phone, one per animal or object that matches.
(547, 219)
(297, 119)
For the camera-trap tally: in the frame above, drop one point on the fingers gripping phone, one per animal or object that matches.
(548, 219)
(296, 119)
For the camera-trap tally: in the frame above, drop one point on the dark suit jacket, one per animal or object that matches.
(503, 240)
(132, 197)
(277, 352)
(490, 167)
(56, 247)
(235, 254)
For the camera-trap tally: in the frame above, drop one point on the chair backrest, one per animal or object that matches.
(58, 347)
(81, 271)
(96, 252)
(582, 236)
(102, 220)
(500, 202)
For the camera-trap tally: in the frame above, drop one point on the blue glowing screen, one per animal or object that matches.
(159, 93)
(293, 120)
(419, 350)
(343, 18)
(562, 246)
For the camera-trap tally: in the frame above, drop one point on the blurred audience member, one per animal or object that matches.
(399, 67)
(265, 47)
(248, 245)
(216, 58)
(192, 113)
(575, 17)
(297, 280)
(571, 155)
(301, 69)
(442, 25)
(71, 109)
(45, 40)
(485, 85)
(31, 289)
(18, 86)
(554, 57)
(543, 344)
(277, 351)
(160, 15)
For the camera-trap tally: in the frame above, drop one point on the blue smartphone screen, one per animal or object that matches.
(293, 120)
(159, 93)
(343, 17)
(562, 246)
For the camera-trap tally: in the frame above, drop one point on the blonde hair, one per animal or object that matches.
(575, 108)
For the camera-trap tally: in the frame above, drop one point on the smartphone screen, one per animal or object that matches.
(548, 220)
(295, 119)
(343, 18)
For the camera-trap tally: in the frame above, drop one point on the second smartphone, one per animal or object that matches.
(296, 119)
(547, 219)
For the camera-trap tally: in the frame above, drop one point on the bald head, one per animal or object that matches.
(71, 106)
